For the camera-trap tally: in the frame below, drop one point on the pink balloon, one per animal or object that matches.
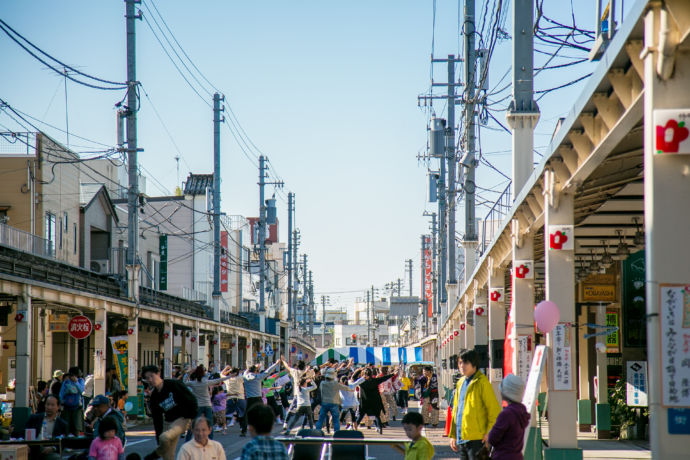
(546, 314)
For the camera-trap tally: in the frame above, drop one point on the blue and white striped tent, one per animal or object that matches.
(385, 356)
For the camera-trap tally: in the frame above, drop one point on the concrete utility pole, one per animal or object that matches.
(369, 317)
(399, 286)
(295, 245)
(262, 230)
(450, 158)
(523, 112)
(422, 294)
(132, 153)
(470, 240)
(324, 299)
(312, 312)
(409, 271)
(437, 148)
(305, 291)
(217, 98)
(289, 259)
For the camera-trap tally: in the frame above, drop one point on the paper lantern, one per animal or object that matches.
(546, 314)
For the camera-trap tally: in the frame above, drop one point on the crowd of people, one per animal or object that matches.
(194, 404)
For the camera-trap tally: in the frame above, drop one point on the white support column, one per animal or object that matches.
(46, 356)
(100, 350)
(497, 325)
(667, 223)
(250, 351)
(132, 359)
(602, 395)
(194, 346)
(560, 289)
(168, 348)
(235, 351)
(481, 326)
(23, 349)
(469, 328)
(216, 350)
(522, 296)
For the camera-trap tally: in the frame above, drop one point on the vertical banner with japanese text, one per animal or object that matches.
(562, 358)
(120, 345)
(163, 270)
(674, 318)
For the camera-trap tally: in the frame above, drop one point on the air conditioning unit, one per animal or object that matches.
(100, 266)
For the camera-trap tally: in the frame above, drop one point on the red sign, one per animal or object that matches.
(80, 327)
(224, 261)
(428, 277)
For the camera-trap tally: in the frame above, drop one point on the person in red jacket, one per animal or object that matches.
(507, 437)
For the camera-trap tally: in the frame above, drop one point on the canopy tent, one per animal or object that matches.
(375, 355)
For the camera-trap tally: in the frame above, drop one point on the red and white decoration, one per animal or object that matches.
(462, 326)
(80, 327)
(130, 331)
(561, 237)
(479, 311)
(166, 335)
(19, 317)
(248, 346)
(456, 333)
(98, 326)
(524, 269)
(193, 339)
(671, 135)
(496, 294)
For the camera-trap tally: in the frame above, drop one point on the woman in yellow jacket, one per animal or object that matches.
(475, 408)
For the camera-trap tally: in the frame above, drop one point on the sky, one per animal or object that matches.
(326, 90)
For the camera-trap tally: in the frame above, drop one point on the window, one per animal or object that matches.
(60, 233)
(75, 238)
(50, 235)
(65, 221)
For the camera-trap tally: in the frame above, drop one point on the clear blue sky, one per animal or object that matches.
(326, 89)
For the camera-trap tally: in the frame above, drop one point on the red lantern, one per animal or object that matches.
(479, 311)
(130, 331)
(462, 326)
(19, 317)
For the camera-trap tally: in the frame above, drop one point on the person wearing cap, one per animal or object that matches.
(508, 433)
(101, 408)
(56, 383)
(330, 399)
(475, 408)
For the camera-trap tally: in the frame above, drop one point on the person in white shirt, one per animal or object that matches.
(201, 447)
(349, 399)
(306, 386)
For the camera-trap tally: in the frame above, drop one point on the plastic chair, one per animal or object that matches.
(348, 452)
(308, 451)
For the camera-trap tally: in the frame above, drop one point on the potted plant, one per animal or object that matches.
(623, 417)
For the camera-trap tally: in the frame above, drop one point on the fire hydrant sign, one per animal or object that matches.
(80, 327)
(674, 318)
(671, 134)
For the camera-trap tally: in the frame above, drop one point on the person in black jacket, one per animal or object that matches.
(372, 405)
(54, 427)
(173, 407)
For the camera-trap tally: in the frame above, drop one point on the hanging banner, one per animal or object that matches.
(562, 237)
(524, 269)
(524, 346)
(428, 277)
(671, 133)
(224, 261)
(674, 320)
(562, 357)
(120, 346)
(636, 384)
(163, 267)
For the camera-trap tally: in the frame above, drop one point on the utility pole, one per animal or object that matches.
(422, 294)
(369, 318)
(132, 153)
(324, 299)
(305, 297)
(450, 157)
(399, 286)
(217, 98)
(295, 245)
(312, 312)
(262, 231)
(470, 240)
(289, 259)
(409, 271)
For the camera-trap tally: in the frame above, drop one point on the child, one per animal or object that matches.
(107, 446)
(508, 433)
(260, 419)
(420, 448)
(219, 400)
(306, 386)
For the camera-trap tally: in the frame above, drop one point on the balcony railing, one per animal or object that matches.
(25, 241)
(494, 218)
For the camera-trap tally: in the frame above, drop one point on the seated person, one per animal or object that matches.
(54, 427)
